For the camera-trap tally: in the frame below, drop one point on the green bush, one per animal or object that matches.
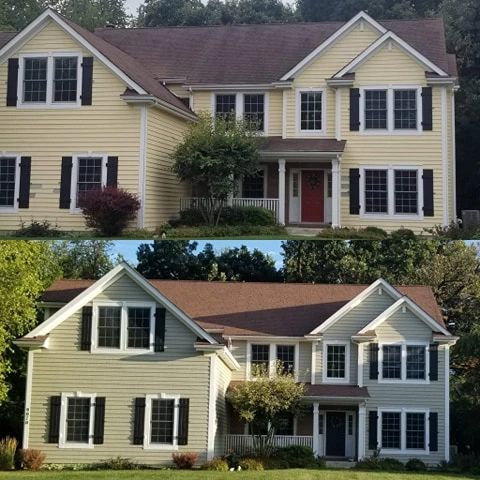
(415, 465)
(8, 448)
(274, 463)
(166, 231)
(217, 465)
(37, 229)
(297, 456)
(376, 463)
(233, 216)
(369, 233)
(465, 462)
(115, 463)
(251, 464)
(455, 231)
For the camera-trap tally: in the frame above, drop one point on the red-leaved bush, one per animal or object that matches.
(184, 461)
(109, 210)
(32, 459)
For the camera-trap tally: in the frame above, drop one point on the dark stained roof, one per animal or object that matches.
(242, 54)
(5, 37)
(279, 144)
(336, 391)
(282, 309)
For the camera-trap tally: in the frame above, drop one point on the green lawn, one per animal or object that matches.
(203, 475)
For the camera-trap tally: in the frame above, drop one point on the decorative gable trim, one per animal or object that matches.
(413, 307)
(333, 38)
(90, 293)
(389, 36)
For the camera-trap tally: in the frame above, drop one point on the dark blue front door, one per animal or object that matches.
(335, 446)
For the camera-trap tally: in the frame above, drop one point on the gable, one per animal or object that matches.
(124, 289)
(403, 325)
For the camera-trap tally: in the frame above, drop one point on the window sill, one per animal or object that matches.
(6, 210)
(386, 216)
(411, 452)
(335, 380)
(404, 382)
(161, 447)
(79, 446)
(118, 351)
(393, 133)
(48, 106)
(311, 133)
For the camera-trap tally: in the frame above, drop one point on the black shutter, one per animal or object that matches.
(86, 335)
(139, 421)
(434, 362)
(66, 182)
(427, 122)
(428, 209)
(24, 193)
(183, 408)
(112, 171)
(12, 82)
(354, 109)
(433, 421)
(159, 345)
(354, 191)
(87, 80)
(373, 361)
(54, 424)
(372, 430)
(99, 422)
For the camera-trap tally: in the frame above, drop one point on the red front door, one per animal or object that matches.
(312, 196)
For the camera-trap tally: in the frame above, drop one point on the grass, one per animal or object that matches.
(203, 475)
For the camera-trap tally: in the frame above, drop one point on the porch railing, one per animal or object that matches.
(243, 444)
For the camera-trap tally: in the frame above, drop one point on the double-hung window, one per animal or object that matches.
(311, 111)
(254, 111)
(77, 420)
(89, 173)
(226, 106)
(260, 359)
(406, 192)
(286, 356)
(376, 110)
(335, 360)
(376, 191)
(404, 362)
(253, 186)
(403, 430)
(9, 182)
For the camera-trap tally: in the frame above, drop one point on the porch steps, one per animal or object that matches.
(303, 231)
(340, 464)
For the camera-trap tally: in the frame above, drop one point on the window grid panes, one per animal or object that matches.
(109, 325)
(260, 358)
(252, 185)
(225, 106)
(295, 180)
(78, 420)
(320, 424)
(405, 111)
(375, 109)
(285, 425)
(65, 79)
(286, 355)
(89, 176)
(392, 361)
(415, 432)
(8, 167)
(138, 330)
(406, 191)
(311, 110)
(350, 424)
(336, 361)
(391, 430)
(376, 191)
(162, 416)
(35, 80)
(416, 362)
(254, 111)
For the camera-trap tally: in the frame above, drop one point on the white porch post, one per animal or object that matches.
(336, 192)
(315, 429)
(281, 191)
(362, 415)
(230, 198)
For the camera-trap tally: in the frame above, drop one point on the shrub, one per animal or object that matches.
(297, 456)
(274, 463)
(115, 463)
(376, 463)
(465, 462)
(37, 229)
(108, 210)
(233, 216)
(184, 461)
(369, 233)
(251, 464)
(222, 231)
(415, 465)
(8, 447)
(31, 458)
(217, 465)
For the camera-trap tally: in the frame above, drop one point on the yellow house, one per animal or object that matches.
(356, 118)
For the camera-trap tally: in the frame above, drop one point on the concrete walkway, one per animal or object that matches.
(303, 231)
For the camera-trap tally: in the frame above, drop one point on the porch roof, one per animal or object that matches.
(336, 391)
(301, 145)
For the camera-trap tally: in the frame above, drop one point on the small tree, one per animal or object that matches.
(213, 154)
(263, 404)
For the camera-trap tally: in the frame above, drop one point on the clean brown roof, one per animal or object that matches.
(242, 54)
(279, 144)
(281, 309)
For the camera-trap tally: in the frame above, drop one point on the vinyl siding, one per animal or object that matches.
(108, 126)
(275, 113)
(222, 380)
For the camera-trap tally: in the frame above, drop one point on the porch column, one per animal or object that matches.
(230, 197)
(362, 415)
(315, 429)
(336, 192)
(281, 191)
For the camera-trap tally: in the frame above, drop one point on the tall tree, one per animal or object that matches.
(15, 14)
(156, 13)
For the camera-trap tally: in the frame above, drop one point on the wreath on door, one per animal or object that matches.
(313, 180)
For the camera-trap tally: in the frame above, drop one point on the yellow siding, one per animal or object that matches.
(275, 115)
(223, 376)
(202, 102)
(109, 126)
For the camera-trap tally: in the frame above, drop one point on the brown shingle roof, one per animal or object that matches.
(279, 144)
(5, 37)
(281, 309)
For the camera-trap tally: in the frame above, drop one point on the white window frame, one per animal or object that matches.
(62, 438)
(74, 185)
(147, 444)
(391, 130)
(13, 208)
(390, 215)
(49, 102)
(403, 430)
(403, 365)
(123, 327)
(326, 378)
(272, 356)
(298, 109)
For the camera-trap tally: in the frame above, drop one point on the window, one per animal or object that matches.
(376, 191)
(89, 176)
(415, 432)
(392, 361)
(254, 111)
(329, 185)
(286, 355)
(65, 79)
(253, 185)
(416, 362)
(391, 430)
(138, 328)
(35, 80)
(350, 425)
(285, 425)
(77, 412)
(162, 421)
(225, 106)
(406, 191)
(109, 327)
(260, 359)
(311, 111)
(403, 430)
(320, 423)
(295, 181)
(376, 109)
(405, 109)
(8, 181)
(335, 361)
